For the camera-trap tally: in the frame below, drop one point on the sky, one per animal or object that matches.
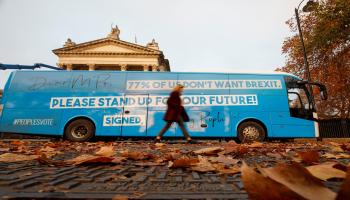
(195, 35)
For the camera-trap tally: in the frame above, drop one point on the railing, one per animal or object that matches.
(335, 128)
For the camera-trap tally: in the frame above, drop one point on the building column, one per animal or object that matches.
(161, 68)
(145, 68)
(91, 67)
(60, 65)
(154, 68)
(123, 68)
(69, 67)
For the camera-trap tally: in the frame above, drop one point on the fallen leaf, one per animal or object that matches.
(137, 195)
(159, 145)
(106, 151)
(309, 157)
(299, 180)
(344, 192)
(259, 187)
(228, 149)
(345, 147)
(334, 143)
(26, 174)
(4, 149)
(326, 171)
(11, 157)
(241, 150)
(336, 148)
(53, 145)
(120, 197)
(18, 146)
(288, 150)
(209, 151)
(48, 151)
(86, 158)
(118, 160)
(337, 156)
(222, 169)
(160, 160)
(224, 159)
(147, 164)
(274, 155)
(43, 159)
(297, 159)
(137, 155)
(203, 165)
(183, 162)
(17, 142)
(238, 149)
(255, 145)
(47, 189)
(172, 156)
(231, 143)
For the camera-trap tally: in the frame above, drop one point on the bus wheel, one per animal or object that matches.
(250, 132)
(80, 130)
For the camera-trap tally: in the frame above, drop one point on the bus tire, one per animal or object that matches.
(80, 130)
(251, 131)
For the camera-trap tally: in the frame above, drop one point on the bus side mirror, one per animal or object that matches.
(323, 90)
(323, 94)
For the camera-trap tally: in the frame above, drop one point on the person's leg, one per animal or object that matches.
(183, 129)
(164, 129)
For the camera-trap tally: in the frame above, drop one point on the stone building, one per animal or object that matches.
(111, 53)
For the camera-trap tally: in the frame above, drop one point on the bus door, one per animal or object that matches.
(297, 119)
(135, 113)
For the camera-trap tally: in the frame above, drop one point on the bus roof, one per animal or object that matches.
(204, 72)
(246, 73)
(238, 73)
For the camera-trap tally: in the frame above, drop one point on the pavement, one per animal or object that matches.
(131, 179)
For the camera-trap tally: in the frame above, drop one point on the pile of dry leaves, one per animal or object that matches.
(269, 170)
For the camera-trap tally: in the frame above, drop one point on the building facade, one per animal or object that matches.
(111, 53)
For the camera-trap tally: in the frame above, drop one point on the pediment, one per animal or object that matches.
(111, 48)
(106, 45)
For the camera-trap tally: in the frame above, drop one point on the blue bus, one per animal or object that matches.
(79, 105)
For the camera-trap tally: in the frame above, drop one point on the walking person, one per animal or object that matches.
(175, 113)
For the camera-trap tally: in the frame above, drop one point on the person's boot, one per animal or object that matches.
(190, 141)
(157, 140)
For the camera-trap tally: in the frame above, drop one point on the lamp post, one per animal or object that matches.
(307, 8)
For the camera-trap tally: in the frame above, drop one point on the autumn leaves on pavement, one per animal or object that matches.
(269, 170)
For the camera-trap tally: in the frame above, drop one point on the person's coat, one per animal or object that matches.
(175, 109)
